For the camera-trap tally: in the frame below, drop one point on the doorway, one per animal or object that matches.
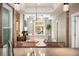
(75, 30)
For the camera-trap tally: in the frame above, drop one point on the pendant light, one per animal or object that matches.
(66, 7)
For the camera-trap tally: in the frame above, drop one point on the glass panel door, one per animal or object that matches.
(6, 26)
(6, 30)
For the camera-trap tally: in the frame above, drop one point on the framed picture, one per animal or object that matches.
(39, 28)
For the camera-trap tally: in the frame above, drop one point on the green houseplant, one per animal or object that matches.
(25, 33)
(48, 27)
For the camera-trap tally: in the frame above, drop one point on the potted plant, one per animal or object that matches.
(25, 33)
(48, 27)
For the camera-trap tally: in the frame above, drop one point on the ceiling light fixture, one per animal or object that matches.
(66, 7)
(16, 5)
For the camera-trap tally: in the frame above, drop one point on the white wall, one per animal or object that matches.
(61, 28)
(54, 31)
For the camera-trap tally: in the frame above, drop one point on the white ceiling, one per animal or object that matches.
(41, 7)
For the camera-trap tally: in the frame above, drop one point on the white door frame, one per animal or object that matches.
(72, 29)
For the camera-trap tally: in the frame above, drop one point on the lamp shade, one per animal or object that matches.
(25, 28)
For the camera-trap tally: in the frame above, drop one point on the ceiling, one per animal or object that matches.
(39, 7)
(54, 9)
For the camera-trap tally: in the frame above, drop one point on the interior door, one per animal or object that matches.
(6, 28)
(77, 32)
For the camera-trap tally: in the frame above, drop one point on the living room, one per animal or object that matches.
(39, 26)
